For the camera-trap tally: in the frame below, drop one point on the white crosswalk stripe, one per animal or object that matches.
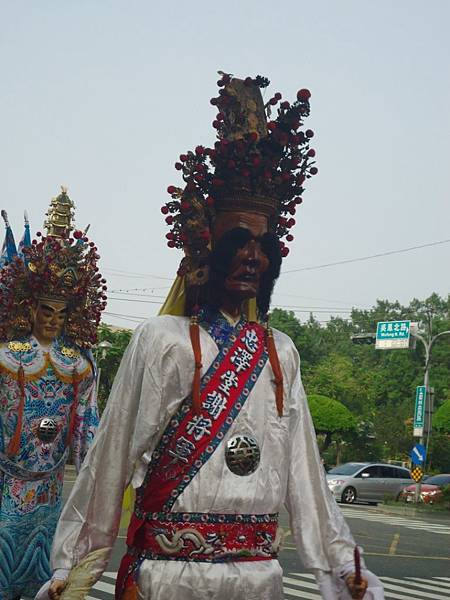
(303, 585)
(369, 515)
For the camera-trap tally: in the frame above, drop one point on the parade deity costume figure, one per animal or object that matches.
(207, 418)
(51, 296)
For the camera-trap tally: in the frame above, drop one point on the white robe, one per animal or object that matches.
(155, 376)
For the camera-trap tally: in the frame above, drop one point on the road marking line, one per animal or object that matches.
(104, 587)
(372, 553)
(408, 556)
(393, 520)
(442, 584)
(301, 594)
(394, 543)
(397, 588)
(397, 596)
(300, 582)
(420, 582)
(409, 588)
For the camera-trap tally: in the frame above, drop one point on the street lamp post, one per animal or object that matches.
(428, 343)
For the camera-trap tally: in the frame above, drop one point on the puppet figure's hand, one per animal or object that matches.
(357, 590)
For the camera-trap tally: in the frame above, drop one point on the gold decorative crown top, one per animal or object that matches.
(245, 113)
(60, 215)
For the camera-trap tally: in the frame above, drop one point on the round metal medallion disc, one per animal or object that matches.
(47, 430)
(242, 455)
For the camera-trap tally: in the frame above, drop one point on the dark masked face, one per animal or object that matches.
(247, 266)
(244, 263)
(49, 318)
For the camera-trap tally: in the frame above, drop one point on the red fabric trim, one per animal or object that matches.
(14, 443)
(170, 471)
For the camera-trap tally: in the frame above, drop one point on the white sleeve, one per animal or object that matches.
(91, 516)
(322, 537)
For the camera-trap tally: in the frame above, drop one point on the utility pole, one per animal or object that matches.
(428, 341)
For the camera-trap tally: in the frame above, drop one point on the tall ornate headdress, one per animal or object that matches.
(62, 266)
(258, 164)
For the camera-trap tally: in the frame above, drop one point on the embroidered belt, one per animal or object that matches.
(13, 469)
(208, 537)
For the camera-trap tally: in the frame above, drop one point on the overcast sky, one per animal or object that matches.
(103, 97)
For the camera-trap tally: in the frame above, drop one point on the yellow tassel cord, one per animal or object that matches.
(127, 507)
(275, 364)
(194, 332)
(14, 443)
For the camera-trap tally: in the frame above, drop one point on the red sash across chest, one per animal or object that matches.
(190, 439)
(188, 442)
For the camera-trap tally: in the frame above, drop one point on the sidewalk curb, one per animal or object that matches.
(410, 511)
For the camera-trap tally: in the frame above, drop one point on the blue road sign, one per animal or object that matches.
(418, 454)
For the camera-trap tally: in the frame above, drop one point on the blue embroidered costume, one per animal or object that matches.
(30, 507)
(51, 298)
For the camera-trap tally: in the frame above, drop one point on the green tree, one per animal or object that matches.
(377, 386)
(441, 419)
(333, 422)
(439, 452)
(330, 417)
(119, 338)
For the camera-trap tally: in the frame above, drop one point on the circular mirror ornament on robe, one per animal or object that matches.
(47, 430)
(242, 454)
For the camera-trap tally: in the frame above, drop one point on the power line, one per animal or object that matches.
(361, 258)
(310, 309)
(294, 308)
(136, 300)
(349, 304)
(132, 295)
(132, 290)
(125, 317)
(132, 275)
(140, 319)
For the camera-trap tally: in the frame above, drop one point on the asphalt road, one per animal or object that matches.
(410, 554)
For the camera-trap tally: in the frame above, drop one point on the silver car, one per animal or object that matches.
(367, 482)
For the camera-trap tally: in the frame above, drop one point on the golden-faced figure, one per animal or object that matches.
(49, 317)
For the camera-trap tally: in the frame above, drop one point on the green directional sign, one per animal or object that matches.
(393, 334)
(419, 412)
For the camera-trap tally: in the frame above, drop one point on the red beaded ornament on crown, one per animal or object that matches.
(60, 268)
(256, 164)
